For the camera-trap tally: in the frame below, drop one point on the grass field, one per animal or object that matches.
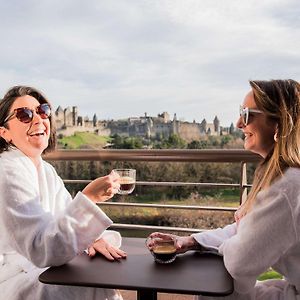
(83, 140)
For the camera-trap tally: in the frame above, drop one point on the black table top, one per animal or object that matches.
(190, 273)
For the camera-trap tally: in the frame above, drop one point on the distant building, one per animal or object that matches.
(68, 121)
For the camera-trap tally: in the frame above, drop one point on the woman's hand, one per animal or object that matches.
(102, 188)
(182, 243)
(106, 249)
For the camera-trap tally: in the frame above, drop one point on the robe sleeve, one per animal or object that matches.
(263, 236)
(113, 237)
(110, 236)
(43, 238)
(212, 239)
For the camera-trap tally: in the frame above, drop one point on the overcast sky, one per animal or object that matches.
(121, 58)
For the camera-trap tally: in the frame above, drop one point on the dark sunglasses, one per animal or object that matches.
(246, 111)
(25, 115)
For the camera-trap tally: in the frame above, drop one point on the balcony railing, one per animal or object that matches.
(242, 157)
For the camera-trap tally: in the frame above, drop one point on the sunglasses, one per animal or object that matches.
(25, 115)
(246, 111)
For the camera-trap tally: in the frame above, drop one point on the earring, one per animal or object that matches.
(276, 137)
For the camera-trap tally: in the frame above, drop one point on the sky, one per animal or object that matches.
(125, 58)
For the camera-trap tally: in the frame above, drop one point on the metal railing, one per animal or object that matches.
(175, 155)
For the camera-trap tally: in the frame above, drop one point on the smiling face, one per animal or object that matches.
(260, 130)
(31, 138)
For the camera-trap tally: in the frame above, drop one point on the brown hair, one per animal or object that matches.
(6, 103)
(280, 101)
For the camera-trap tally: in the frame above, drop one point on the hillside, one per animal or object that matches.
(83, 140)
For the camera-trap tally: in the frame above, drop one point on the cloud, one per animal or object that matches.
(122, 58)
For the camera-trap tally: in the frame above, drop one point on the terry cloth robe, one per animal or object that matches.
(268, 236)
(41, 226)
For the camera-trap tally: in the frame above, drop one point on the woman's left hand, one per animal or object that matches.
(106, 249)
(182, 243)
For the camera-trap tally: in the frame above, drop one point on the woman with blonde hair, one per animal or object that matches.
(40, 224)
(266, 232)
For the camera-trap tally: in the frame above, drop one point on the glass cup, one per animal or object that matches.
(163, 250)
(127, 180)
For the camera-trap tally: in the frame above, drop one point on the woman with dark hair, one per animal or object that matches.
(39, 224)
(266, 232)
(5, 116)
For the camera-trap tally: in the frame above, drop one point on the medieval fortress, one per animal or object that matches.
(68, 121)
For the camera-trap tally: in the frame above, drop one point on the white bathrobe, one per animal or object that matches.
(41, 226)
(269, 236)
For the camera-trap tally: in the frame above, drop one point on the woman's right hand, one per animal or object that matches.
(102, 188)
(183, 243)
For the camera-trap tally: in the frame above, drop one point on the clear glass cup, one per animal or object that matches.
(163, 250)
(127, 180)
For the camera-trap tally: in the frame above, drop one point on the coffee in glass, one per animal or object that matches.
(163, 250)
(127, 180)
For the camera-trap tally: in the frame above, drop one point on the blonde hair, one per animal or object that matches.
(280, 101)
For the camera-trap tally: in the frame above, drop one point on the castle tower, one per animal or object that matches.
(74, 115)
(175, 124)
(95, 120)
(166, 117)
(231, 128)
(80, 121)
(203, 126)
(68, 119)
(217, 125)
(59, 112)
(59, 117)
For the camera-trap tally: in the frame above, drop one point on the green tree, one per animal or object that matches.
(225, 139)
(132, 143)
(126, 142)
(201, 144)
(172, 142)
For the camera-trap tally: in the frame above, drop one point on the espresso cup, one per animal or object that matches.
(127, 180)
(163, 250)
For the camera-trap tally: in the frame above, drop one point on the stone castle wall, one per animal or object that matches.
(68, 122)
(190, 131)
